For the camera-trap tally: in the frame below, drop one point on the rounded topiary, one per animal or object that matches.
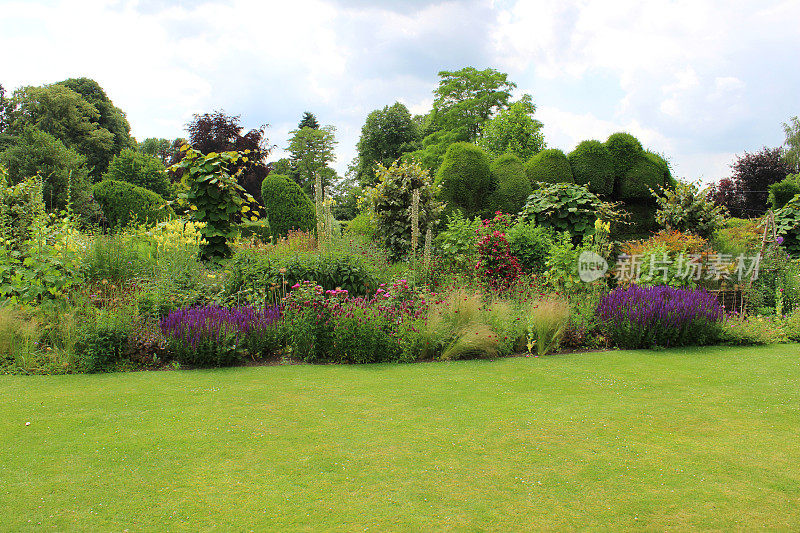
(648, 172)
(549, 166)
(123, 203)
(513, 186)
(592, 166)
(625, 150)
(465, 180)
(287, 206)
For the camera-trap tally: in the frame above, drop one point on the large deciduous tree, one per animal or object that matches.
(791, 154)
(387, 134)
(218, 132)
(513, 130)
(469, 97)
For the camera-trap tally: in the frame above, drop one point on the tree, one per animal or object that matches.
(63, 170)
(142, 170)
(753, 174)
(311, 151)
(162, 149)
(387, 134)
(110, 117)
(469, 97)
(308, 121)
(791, 154)
(217, 132)
(513, 130)
(726, 193)
(67, 116)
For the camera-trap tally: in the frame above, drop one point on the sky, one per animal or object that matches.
(698, 81)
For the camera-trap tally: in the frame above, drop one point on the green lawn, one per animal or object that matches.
(680, 439)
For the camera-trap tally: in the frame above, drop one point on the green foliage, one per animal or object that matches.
(387, 134)
(124, 203)
(434, 147)
(531, 245)
(514, 131)
(625, 150)
(780, 193)
(255, 229)
(549, 166)
(311, 150)
(465, 179)
(547, 321)
(687, 209)
(593, 166)
(647, 172)
(119, 258)
(63, 171)
(142, 170)
(363, 224)
(791, 152)
(513, 186)
(738, 236)
(787, 223)
(215, 197)
(563, 207)
(456, 246)
(458, 328)
(162, 149)
(308, 121)
(391, 204)
(777, 288)
(468, 97)
(744, 330)
(287, 206)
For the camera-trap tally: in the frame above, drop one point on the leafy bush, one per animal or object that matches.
(793, 326)
(643, 317)
(549, 166)
(218, 336)
(496, 265)
(142, 170)
(465, 180)
(531, 245)
(782, 192)
(258, 229)
(787, 222)
(392, 204)
(104, 337)
(456, 246)
(738, 236)
(513, 186)
(593, 166)
(124, 203)
(625, 150)
(687, 209)
(563, 207)
(648, 171)
(363, 224)
(287, 206)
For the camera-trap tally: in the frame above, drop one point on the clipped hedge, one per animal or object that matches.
(287, 206)
(780, 193)
(465, 179)
(549, 166)
(625, 150)
(649, 171)
(513, 186)
(123, 203)
(593, 166)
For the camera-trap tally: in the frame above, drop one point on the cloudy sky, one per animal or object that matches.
(699, 81)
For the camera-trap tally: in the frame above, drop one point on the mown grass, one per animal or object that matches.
(671, 440)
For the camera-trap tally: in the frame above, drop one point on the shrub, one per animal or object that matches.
(547, 321)
(776, 290)
(625, 151)
(124, 203)
(738, 236)
(642, 219)
(593, 166)
(643, 317)
(363, 224)
(465, 179)
(563, 207)
(104, 336)
(456, 246)
(647, 172)
(218, 336)
(782, 192)
(549, 166)
(258, 229)
(787, 222)
(495, 264)
(19, 339)
(142, 170)
(531, 245)
(287, 206)
(513, 186)
(687, 209)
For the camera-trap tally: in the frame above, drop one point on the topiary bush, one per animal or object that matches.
(513, 185)
(593, 166)
(288, 207)
(780, 193)
(625, 150)
(549, 166)
(142, 170)
(123, 203)
(563, 207)
(465, 179)
(648, 171)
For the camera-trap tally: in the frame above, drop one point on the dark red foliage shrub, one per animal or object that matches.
(496, 265)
